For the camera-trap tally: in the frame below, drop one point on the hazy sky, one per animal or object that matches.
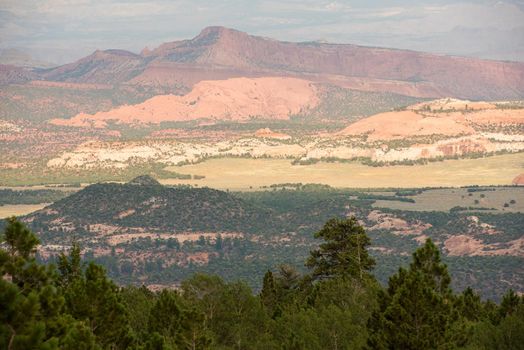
(63, 30)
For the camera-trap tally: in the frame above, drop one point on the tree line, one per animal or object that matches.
(338, 304)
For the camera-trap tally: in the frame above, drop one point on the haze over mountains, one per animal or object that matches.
(278, 122)
(221, 53)
(252, 192)
(210, 96)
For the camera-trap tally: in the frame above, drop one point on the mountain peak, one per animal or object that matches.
(144, 180)
(219, 52)
(113, 53)
(218, 30)
(214, 34)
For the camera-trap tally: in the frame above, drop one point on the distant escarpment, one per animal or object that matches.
(219, 53)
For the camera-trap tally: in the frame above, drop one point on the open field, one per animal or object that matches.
(19, 209)
(243, 174)
(445, 199)
(61, 187)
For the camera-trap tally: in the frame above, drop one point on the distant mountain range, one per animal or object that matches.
(219, 53)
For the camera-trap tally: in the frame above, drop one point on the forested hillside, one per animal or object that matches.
(144, 203)
(146, 233)
(336, 304)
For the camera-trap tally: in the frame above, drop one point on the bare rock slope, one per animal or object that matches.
(232, 99)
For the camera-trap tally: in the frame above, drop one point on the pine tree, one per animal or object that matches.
(287, 278)
(95, 299)
(70, 266)
(417, 310)
(469, 305)
(427, 260)
(165, 317)
(18, 260)
(268, 294)
(344, 252)
(510, 303)
(32, 307)
(21, 242)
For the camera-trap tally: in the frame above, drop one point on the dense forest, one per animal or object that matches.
(136, 231)
(337, 304)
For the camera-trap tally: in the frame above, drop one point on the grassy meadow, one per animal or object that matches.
(245, 174)
(500, 199)
(19, 209)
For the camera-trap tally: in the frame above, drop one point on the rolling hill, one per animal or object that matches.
(143, 203)
(450, 117)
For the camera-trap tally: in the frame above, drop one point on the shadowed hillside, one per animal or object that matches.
(144, 203)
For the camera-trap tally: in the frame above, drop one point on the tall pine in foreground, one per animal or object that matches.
(416, 310)
(343, 252)
(268, 295)
(32, 309)
(333, 302)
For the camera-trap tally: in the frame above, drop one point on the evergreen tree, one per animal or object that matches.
(343, 253)
(95, 299)
(287, 277)
(21, 324)
(70, 266)
(17, 261)
(165, 317)
(292, 289)
(417, 311)
(427, 260)
(32, 307)
(268, 294)
(338, 306)
(469, 305)
(510, 303)
(20, 241)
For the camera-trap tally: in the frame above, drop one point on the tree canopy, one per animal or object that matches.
(344, 251)
(338, 305)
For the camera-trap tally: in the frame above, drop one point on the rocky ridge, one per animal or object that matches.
(219, 53)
